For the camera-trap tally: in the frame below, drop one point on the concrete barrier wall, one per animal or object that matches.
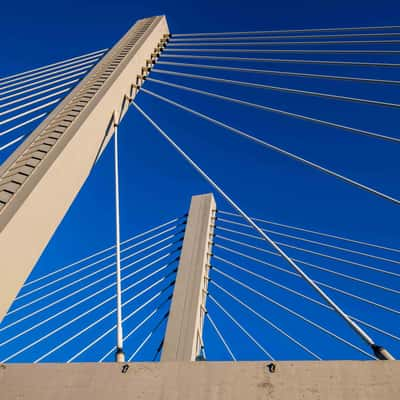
(328, 380)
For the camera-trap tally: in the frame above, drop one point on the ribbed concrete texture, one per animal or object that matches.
(329, 380)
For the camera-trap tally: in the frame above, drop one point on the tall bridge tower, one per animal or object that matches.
(40, 180)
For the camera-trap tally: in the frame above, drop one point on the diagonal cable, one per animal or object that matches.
(378, 350)
(301, 229)
(297, 293)
(276, 148)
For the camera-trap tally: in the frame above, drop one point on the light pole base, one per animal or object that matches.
(120, 356)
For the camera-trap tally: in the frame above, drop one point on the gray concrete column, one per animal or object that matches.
(183, 338)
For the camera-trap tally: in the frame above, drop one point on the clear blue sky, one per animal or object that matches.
(156, 184)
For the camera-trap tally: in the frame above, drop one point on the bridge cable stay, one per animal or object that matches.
(306, 230)
(275, 110)
(84, 66)
(20, 125)
(281, 73)
(49, 79)
(48, 67)
(107, 332)
(24, 95)
(126, 318)
(302, 317)
(270, 323)
(86, 298)
(23, 98)
(324, 255)
(137, 236)
(32, 87)
(98, 338)
(276, 148)
(314, 242)
(283, 60)
(241, 327)
(317, 267)
(302, 295)
(347, 276)
(291, 51)
(333, 29)
(95, 263)
(97, 306)
(140, 324)
(176, 39)
(340, 339)
(81, 289)
(148, 337)
(167, 251)
(221, 337)
(319, 282)
(378, 351)
(10, 143)
(11, 110)
(176, 45)
(277, 88)
(279, 304)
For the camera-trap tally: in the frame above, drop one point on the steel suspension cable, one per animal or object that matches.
(82, 300)
(147, 338)
(320, 283)
(126, 318)
(138, 326)
(102, 252)
(365, 28)
(276, 148)
(284, 60)
(293, 312)
(29, 103)
(32, 77)
(92, 343)
(173, 44)
(297, 228)
(86, 64)
(66, 75)
(341, 35)
(88, 276)
(316, 242)
(297, 293)
(21, 99)
(343, 260)
(317, 267)
(241, 327)
(82, 315)
(219, 334)
(266, 320)
(98, 262)
(378, 350)
(31, 111)
(295, 51)
(20, 125)
(93, 54)
(282, 73)
(279, 89)
(32, 89)
(7, 145)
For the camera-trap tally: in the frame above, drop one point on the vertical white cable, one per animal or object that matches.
(119, 355)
